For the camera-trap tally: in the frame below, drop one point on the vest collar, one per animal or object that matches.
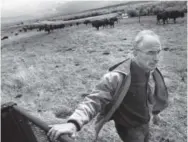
(124, 67)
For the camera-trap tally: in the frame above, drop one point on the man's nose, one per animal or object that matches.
(156, 58)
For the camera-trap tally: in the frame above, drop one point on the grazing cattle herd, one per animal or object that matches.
(5, 37)
(95, 23)
(104, 22)
(163, 15)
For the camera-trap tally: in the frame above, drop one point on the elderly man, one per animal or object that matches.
(129, 94)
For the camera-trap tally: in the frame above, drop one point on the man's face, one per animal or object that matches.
(147, 55)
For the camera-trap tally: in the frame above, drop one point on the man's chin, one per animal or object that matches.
(153, 67)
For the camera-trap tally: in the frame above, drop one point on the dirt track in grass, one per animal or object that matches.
(48, 74)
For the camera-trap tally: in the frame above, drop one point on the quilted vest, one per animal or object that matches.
(134, 108)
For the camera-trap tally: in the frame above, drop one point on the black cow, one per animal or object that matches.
(77, 23)
(30, 28)
(54, 27)
(62, 26)
(162, 15)
(111, 22)
(87, 22)
(105, 23)
(41, 28)
(173, 14)
(5, 37)
(25, 29)
(97, 24)
(169, 14)
(47, 28)
(115, 19)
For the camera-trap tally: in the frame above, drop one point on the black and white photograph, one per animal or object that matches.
(93, 71)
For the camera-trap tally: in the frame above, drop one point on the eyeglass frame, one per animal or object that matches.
(151, 53)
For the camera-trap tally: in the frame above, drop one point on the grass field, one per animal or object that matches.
(48, 74)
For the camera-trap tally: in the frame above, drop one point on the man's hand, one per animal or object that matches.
(59, 129)
(156, 119)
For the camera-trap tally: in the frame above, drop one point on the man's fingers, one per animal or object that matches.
(53, 135)
(57, 134)
(49, 132)
(50, 126)
(57, 130)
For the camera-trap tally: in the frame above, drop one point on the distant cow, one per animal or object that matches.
(173, 14)
(87, 22)
(169, 14)
(162, 15)
(111, 22)
(115, 19)
(40, 28)
(5, 37)
(30, 27)
(77, 23)
(62, 26)
(97, 24)
(47, 28)
(104, 23)
(25, 29)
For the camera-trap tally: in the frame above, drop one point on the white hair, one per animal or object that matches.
(140, 37)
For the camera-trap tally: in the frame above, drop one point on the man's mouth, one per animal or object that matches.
(153, 64)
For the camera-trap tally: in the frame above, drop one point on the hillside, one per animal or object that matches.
(49, 74)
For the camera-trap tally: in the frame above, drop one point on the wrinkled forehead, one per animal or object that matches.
(150, 43)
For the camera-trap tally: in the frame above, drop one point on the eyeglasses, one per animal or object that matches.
(152, 53)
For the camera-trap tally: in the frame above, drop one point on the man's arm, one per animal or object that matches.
(160, 98)
(91, 105)
(96, 101)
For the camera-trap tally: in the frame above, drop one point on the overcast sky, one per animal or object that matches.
(13, 8)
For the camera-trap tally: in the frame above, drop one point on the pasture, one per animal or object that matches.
(49, 74)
